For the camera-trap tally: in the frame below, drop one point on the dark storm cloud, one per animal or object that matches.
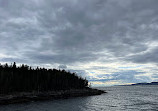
(98, 26)
(148, 57)
(81, 73)
(77, 27)
(65, 57)
(62, 66)
(78, 31)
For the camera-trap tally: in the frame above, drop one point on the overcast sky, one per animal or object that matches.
(107, 41)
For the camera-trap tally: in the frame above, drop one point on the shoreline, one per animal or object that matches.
(49, 95)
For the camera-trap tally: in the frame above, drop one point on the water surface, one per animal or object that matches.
(118, 98)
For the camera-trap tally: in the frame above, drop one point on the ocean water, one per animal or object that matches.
(118, 98)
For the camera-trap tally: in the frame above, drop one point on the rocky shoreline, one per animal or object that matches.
(50, 95)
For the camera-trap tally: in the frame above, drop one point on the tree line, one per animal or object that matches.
(24, 78)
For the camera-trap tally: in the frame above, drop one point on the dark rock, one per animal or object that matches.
(38, 96)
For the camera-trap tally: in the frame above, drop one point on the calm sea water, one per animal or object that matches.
(118, 98)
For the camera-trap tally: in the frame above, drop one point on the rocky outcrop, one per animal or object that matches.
(37, 96)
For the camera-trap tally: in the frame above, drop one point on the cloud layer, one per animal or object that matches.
(82, 35)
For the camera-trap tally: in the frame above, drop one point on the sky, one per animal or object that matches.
(108, 42)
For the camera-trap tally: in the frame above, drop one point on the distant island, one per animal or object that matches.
(24, 83)
(152, 83)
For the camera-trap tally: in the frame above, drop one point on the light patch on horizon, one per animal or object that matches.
(110, 83)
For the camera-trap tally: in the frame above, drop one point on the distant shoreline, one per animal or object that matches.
(140, 84)
(50, 95)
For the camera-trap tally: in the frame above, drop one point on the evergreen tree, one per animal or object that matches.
(27, 79)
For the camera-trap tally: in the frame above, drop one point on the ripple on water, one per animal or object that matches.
(118, 98)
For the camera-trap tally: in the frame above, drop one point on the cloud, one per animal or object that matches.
(147, 57)
(79, 32)
(128, 76)
(62, 66)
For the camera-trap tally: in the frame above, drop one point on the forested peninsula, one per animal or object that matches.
(24, 83)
